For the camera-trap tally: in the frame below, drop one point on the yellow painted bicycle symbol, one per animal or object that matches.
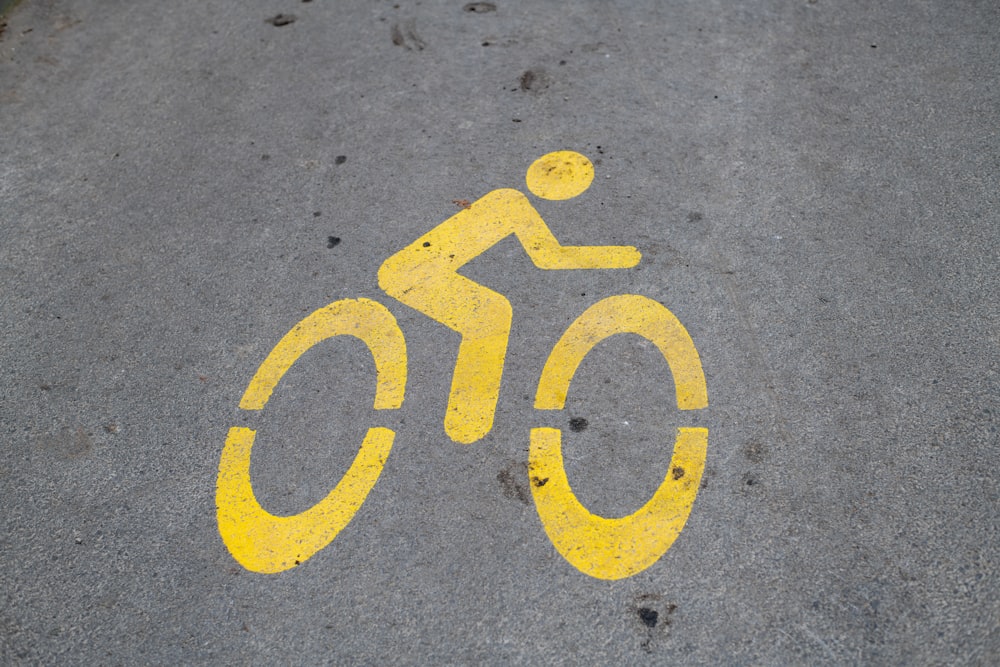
(424, 276)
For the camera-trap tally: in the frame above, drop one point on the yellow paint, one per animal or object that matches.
(424, 276)
(263, 542)
(560, 175)
(625, 313)
(613, 548)
(362, 318)
(618, 548)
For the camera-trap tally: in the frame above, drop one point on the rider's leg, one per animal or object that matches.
(483, 318)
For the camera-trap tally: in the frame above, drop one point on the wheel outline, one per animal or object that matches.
(266, 543)
(616, 548)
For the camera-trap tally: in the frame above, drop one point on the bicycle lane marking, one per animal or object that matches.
(424, 276)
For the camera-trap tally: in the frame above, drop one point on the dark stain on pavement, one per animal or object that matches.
(279, 20)
(534, 81)
(677, 472)
(654, 617)
(405, 35)
(340, 159)
(479, 7)
(68, 443)
(578, 424)
(754, 452)
(332, 241)
(670, 608)
(509, 479)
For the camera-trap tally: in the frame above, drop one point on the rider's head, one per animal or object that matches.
(560, 175)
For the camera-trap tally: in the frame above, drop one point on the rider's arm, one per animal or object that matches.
(542, 246)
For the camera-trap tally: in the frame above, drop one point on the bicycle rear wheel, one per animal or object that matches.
(263, 542)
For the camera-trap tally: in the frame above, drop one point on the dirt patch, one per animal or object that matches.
(405, 35)
(479, 7)
(281, 20)
(513, 481)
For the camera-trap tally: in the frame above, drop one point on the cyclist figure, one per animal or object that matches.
(424, 275)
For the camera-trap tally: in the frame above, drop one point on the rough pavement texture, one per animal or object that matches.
(813, 186)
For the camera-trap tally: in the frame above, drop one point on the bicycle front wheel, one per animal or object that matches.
(616, 548)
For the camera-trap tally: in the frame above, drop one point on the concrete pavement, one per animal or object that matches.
(812, 187)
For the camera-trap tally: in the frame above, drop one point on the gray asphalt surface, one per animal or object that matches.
(814, 188)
